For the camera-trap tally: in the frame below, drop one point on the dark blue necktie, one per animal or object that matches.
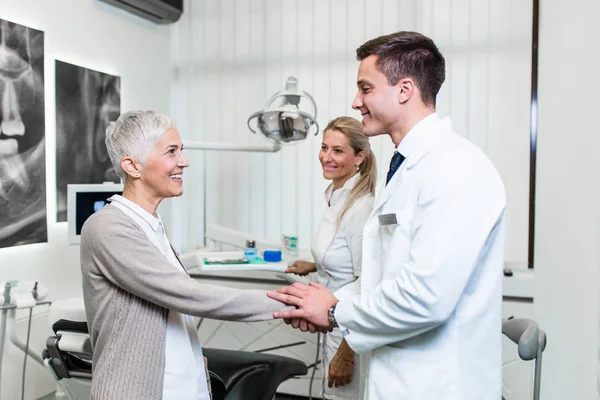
(394, 165)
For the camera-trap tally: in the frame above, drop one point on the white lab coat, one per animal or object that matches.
(428, 320)
(336, 249)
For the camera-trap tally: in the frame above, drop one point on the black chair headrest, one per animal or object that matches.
(66, 325)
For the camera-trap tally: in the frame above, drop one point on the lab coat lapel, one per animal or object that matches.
(386, 191)
(427, 141)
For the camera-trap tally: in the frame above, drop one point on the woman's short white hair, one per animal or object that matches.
(134, 134)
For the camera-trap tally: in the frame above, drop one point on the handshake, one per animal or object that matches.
(312, 304)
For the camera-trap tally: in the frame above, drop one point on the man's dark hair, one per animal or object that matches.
(408, 55)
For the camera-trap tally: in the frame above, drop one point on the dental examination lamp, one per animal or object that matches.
(281, 121)
(285, 122)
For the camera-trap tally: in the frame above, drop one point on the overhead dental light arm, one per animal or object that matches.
(264, 148)
(281, 124)
(292, 96)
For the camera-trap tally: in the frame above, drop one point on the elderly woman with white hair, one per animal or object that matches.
(139, 299)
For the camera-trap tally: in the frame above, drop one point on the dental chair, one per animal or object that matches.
(531, 341)
(234, 375)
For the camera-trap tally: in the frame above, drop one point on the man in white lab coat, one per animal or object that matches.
(426, 313)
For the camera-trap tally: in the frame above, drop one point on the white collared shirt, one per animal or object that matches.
(185, 374)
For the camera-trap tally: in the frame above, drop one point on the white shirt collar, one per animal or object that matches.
(154, 222)
(411, 142)
(334, 196)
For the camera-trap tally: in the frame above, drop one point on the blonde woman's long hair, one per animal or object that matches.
(353, 130)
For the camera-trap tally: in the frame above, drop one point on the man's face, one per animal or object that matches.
(376, 99)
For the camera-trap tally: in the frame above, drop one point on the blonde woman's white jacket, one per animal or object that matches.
(428, 320)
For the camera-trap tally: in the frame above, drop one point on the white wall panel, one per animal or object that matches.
(209, 63)
(441, 33)
(244, 50)
(240, 193)
(479, 70)
(289, 161)
(567, 245)
(229, 185)
(320, 91)
(306, 162)
(458, 69)
(274, 82)
(509, 102)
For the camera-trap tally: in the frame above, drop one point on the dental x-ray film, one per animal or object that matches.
(86, 101)
(22, 136)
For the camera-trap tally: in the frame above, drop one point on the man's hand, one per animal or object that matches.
(311, 302)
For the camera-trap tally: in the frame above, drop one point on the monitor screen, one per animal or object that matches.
(84, 200)
(88, 203)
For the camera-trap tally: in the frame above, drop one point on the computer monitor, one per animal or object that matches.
(82, 201)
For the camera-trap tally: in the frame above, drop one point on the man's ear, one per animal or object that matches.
(131, 167)
(406, 89)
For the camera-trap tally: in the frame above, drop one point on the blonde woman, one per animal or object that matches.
(347, 160)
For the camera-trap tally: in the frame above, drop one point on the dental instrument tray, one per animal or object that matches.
(229, 261)
(224, 261)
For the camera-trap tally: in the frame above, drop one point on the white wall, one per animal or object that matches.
(567, 238)
(93, 35)
(232, 55)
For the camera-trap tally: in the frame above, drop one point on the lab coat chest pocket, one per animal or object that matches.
(396, 241)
